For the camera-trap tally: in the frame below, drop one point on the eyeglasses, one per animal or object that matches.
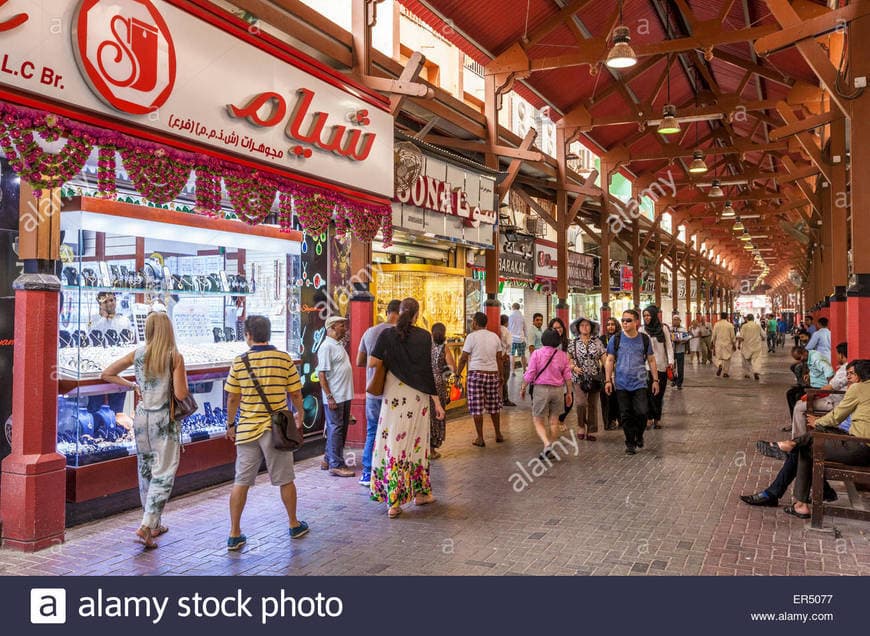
(624, 320)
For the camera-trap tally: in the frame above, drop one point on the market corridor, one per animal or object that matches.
(670, 510)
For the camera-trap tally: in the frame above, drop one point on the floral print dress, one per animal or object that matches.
(158, 442)
(400, 463)
(438, 427)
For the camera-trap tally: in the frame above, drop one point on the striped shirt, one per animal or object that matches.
(277, 375)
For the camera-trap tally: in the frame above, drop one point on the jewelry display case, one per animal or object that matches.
(443, 294)
(123, 261)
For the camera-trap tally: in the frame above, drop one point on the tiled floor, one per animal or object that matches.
(671, 509)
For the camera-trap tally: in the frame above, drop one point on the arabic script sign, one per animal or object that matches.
(158, 67)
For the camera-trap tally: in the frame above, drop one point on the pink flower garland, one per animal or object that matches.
(252, 196)
(160, 173)
(106, 170)
(157, 175)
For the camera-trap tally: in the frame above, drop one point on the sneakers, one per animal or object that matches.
(629, 450)
(342, 471)
(236, 543)
(298, 531)
(365, 480)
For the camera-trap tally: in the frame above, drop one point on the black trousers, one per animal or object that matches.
(680, 359)
(609, 409)
(789, 470)
(657, 401)
(633, 409)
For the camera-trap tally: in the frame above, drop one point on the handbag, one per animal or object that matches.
(532, 385)
(179, 409)
(285, 435)
(671, 373)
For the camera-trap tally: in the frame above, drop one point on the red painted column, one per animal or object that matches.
(838, 325)
(605, 315)
(562, 312)
(492, 306)
(858, 305)
(361, 315)
(33, 496)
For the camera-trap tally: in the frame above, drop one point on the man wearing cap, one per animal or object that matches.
(336, 381)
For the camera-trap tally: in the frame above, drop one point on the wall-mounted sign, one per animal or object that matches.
(454, 191)
(449, 202)
(581, 271)
(156, 65)
(546, 263)
(626, 277)
(516, 258)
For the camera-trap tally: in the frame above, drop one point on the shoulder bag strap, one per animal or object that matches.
(256, 384)
(544, 368)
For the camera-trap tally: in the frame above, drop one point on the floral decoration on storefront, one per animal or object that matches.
(159, 173)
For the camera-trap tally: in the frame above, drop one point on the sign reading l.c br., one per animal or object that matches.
(125, 52)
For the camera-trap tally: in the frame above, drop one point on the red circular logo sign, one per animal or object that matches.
(125, 51)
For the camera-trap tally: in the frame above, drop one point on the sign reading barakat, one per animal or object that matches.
(158, 65)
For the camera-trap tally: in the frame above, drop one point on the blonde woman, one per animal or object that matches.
(158, 439)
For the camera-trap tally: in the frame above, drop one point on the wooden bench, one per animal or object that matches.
(835, 471)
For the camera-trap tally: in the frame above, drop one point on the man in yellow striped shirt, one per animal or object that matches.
(277, 376)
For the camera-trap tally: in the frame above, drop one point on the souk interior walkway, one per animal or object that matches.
(671, 509)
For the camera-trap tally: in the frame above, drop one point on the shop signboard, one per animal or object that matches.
(157, 65)
(648, 283)
(442, 187)
(448, 201)
(626, 278)
(581, 270)
(615, 276)
(516, 257)
(546, 260)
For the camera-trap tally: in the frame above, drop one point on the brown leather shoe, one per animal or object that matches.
(343, 471)
(324, 465)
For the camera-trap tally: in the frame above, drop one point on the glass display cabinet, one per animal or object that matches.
(123, 261)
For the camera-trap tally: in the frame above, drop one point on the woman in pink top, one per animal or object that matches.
(550, 373)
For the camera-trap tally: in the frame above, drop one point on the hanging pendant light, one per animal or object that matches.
(728, 211)
(698, 166)
(669, 124)
(738, 226)
(745, 236)
(716, 192)
(621, 54)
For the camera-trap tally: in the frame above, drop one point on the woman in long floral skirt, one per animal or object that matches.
(400, 463)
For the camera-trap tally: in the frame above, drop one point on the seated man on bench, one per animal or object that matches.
(854, 409)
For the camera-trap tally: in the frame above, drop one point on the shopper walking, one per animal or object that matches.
(628, 353)
(274, 372)
(482, 353)
(772, 333)
(336, 383)
(609, 405)
(507, 373)
(680, 339)
(695, 343)
(706, 339)
(373, 402)
(400, 464)
(724, 346)
(535, 333)
(159, 371)
(559, 327)
(517, 327)
(585, 355)
(443, 367)
(663, 348)
(751, 340)
(549, 375)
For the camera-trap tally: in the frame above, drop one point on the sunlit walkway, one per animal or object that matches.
(671, 509)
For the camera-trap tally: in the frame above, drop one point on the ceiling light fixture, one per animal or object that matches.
(738, 226)
(669, 124)
(728, 211)
(717, 193)
(745, 237)
(698, 166)
(621, 54)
